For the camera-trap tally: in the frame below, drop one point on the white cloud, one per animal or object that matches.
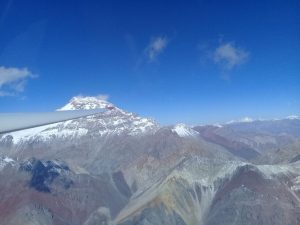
(156, 47)
(5, 93)
(229, 56)
(103, 97)
(13, 80)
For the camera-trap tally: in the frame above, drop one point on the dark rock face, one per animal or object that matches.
(44, 173)
(121, 184)
(42, 177)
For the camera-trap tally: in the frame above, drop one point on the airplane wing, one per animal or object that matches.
(10, 122)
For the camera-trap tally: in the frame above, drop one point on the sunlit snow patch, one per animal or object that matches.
(5, 161)
(184, 131)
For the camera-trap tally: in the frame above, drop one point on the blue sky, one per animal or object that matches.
(175, 61)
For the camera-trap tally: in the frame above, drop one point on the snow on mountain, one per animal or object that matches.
(293, 117)
(250, 120)
(56, 130)
(184, 131)
(5, 161)
(296, 184)
(113, 121)
(88, 102)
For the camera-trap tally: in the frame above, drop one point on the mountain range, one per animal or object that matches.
(118, 168)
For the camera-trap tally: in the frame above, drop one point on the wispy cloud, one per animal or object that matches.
(228, 56)
(155, 47)
(103, 97)
(13, 80)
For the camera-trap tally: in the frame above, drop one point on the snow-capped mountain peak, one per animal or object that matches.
(87, 102)
(184, 131)
(113, 121)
